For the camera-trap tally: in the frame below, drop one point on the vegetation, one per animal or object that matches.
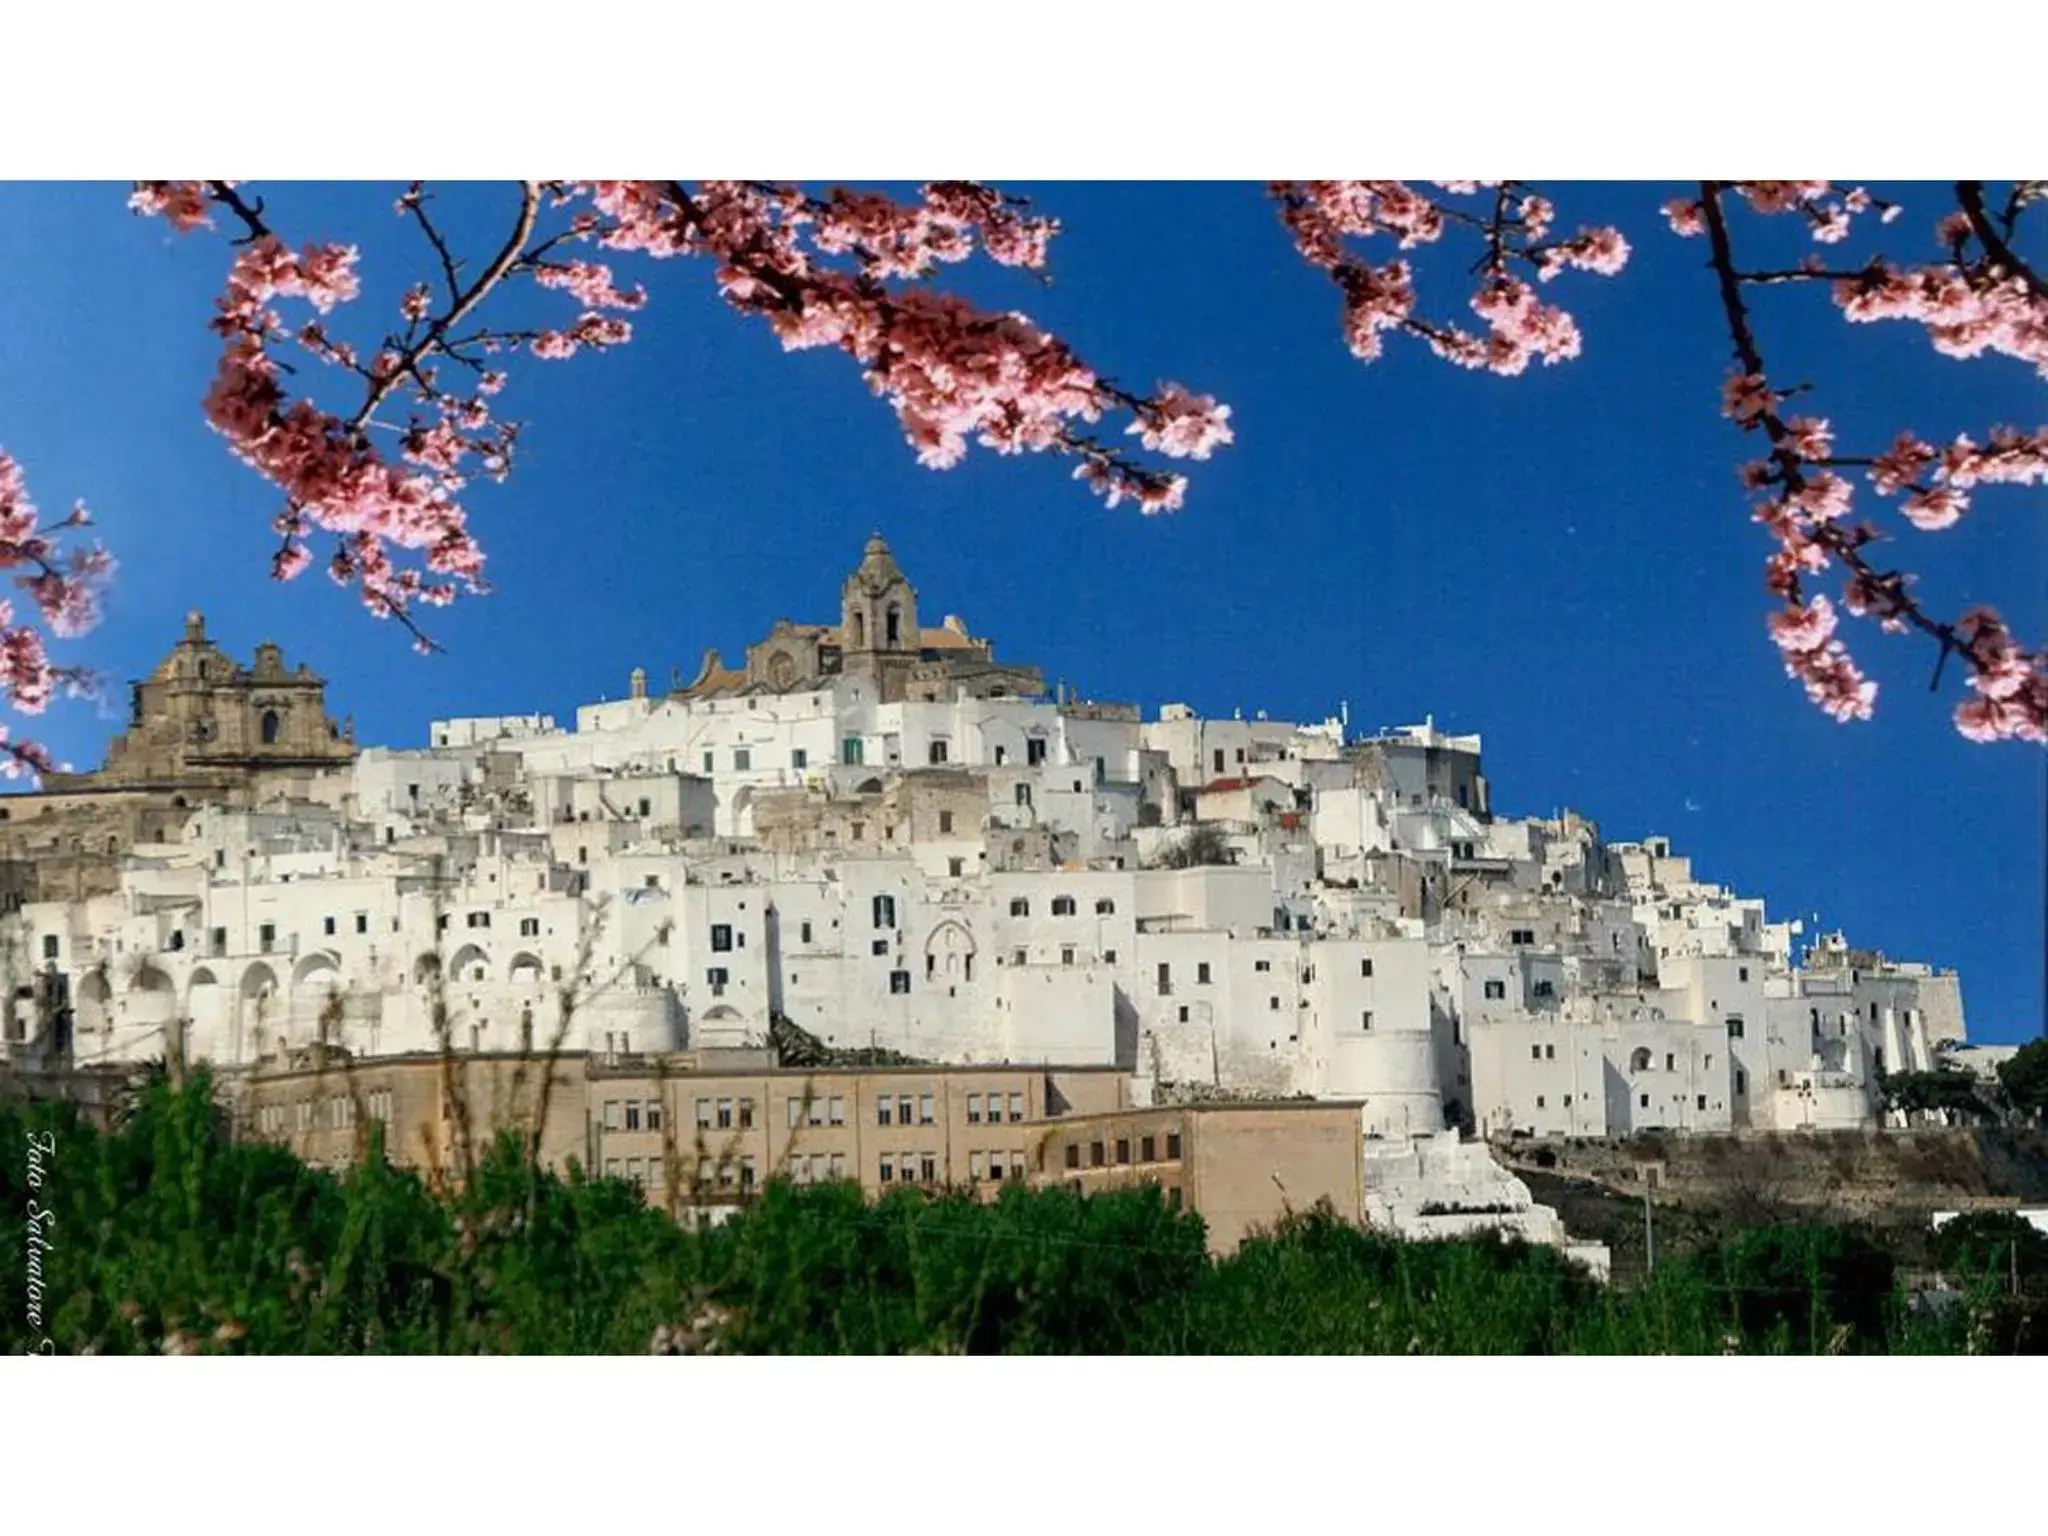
(168, 1236)
(1204, 845)
(1948, 1090)
(2025, 1079)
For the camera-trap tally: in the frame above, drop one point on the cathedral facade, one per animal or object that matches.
(878, 640)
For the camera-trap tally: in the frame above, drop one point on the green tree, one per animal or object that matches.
(2024, 1077)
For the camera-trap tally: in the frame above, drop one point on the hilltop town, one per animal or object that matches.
(872, 903)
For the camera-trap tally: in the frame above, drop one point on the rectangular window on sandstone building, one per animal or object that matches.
(611, 1114)
(1173, 1146)
(924, 1109)
(836, 1110)
(928, 1168)
(1016, 1107)
(888, 1168)
(937, 754)
(1034, 750)
(704, 1114)
(882, 1111)
(1073, 1154)
(974, 1166)
(725, 1114)
(632, 1115)
(974, 1109)
(1123, 1149)
(327, 925)
(1097, 1154)
(945, 823)
(904, 1110)
(796, 1113)
(654, 1114)
(1148, 1147)
(1365, 1019)
(885, 911)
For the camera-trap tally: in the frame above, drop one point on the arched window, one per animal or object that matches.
(893, 626)
(1640, 1061)
(271, 726)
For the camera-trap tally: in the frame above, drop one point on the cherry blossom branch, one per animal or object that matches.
(64, 586)
(1324, 215)
(1808, 513)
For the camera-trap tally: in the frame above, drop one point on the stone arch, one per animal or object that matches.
(868, 787)
(949, 951)
(271, 726)
(426, 968)
(1639, 1059)
(150, 978)
(470, 964)
(526, 970)
(258, 981)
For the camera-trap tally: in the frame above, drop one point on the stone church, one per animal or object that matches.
(203, 728)
(878, 639)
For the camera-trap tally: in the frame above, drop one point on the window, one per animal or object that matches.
(1539, 1101)
(903, 1110)
(654, 1114)
(974, 1166)
(636, 1170)
(1262, 965)
(816, 1108)
(1643, 1101)
(888, 1168)
(1273, 1004)
(1365, 967)
(1535, 1053)
(1365, 1019)
(1670, 1062)
(1202, 973)
(50, 944)
(1147, 1146)
(220, 944)
(1073, 1154)
(882, 1112)
(1742, 1081)
(1109, 957)
(1123, 1150)
(974, 1109)
(327, 925)
(716, 978)
(1034, 750)
(955, 868)
(721, 937)
(1496, 990)
(710, 762)
(850, 751)
(1703, 1101)
(1066, 954)
(646, 806)
(632, 1114)
(725, 1114)
(1522, 936)
(899, 983)
(529, 927)
(1734, 1026)
(742, 759)
(1165, 978)
(1063, 906)
(945, 822)
(1019, 907)
(799, 758)
(1016, 1108)
(1096, 1154)
(803, 933)
(924, 1110)
(1024, 794)
(928, 1167)
(271, 727)
(266, 937)
(612, 1168)
(1173, 1146)
(936, 753)
(884, 908)
(836, 1110)
(796, 1112)
(1741, 974)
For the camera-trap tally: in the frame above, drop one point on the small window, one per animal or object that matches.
(50, 944)
(710, 762)
(799, 758)
(1703, 1101)
(1097, 1154)
(803, 933)
(721, 937)
(945, 822)
(654, 1114)
(974, 1109)
(1147, 1148)
(884, 908)
(1365, 1019)
(1019, 907)
(363, 923)
(1496, 990)
(327, 925)
(1073, 1154)
(882, 1116)
(1063, 906)
(1173, 1146)
(936, 754)
(924, 1110)
(1016, 1108)
(1734, 1026)
(1201, 973)
(742, 760)
(899, 983)
(888, 1168)
(1643, 1100)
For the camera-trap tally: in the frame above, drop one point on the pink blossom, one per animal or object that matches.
(1809, 437)
(1933, 510)
(417, 301)
(1182, 425)
(184, 203)
(1804, 628)
(1901, 464)
(1686, 216)
(1824, 498)
(1745, 397)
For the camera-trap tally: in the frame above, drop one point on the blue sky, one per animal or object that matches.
(1560, 562)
